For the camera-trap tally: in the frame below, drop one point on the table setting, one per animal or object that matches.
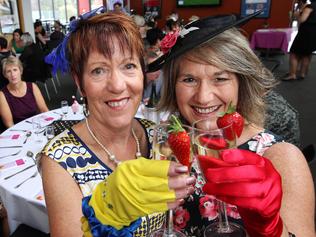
(21, 188)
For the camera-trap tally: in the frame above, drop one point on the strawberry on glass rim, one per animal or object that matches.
(179, 141)
(231, 116)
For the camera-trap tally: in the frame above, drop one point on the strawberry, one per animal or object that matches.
(179, 141)
(231, 116)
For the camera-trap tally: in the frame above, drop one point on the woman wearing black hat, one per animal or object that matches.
(208, 67)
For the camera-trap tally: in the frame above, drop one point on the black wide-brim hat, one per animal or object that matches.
(198, 32)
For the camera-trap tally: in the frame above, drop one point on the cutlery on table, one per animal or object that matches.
(21, 130)
(10, 147)
(31, 177)
(30, 155)
(20, 171)
(13, 154)
(28, 134)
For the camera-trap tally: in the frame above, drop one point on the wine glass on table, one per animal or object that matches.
(164, 140)
(36, 123)
(208, 141)
(64, 108)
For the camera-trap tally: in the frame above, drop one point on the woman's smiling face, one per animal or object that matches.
(113, 86)
(204, 90)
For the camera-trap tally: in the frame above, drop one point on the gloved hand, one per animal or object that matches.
(250, 182)
(135, 189)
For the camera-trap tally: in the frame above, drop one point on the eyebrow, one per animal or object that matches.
(219, 73)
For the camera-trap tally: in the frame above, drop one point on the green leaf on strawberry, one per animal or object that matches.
(179, 141)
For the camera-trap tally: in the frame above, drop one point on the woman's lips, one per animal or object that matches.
(117, 104)
(205, 110)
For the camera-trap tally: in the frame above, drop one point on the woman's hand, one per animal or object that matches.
(250, 182)
(138, 188)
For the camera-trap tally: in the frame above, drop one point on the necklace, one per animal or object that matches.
(111, 156)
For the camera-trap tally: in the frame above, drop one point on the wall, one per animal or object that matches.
(279, 15)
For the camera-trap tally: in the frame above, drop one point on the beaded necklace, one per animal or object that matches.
(111, 156)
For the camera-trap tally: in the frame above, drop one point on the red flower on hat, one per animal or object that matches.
(169, 41)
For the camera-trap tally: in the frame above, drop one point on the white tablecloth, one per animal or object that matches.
(25, 204)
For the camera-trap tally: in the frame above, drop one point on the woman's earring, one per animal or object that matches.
(85, 108)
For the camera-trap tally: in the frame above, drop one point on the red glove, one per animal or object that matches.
(250, 182)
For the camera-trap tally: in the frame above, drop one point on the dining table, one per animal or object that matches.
(272, 38)
(21, 189)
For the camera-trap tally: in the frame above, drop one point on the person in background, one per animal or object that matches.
(117, 7)
(110, 76)
(39, 38)
(140, 22)
(304, 43)
(56, 37)
(34, 66)
(4, 53)
(265, 182)
(152, 77)
(16, 43)
(153, 39)
(19, 100)
(172, 24)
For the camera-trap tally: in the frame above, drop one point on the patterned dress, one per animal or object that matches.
(200, 210)
(88, 170)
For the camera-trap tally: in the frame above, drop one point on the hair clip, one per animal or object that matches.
(58, 57)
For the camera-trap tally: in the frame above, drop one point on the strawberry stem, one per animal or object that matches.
(176, 125)
(231, 109)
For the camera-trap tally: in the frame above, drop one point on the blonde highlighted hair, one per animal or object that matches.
(11, 60)
(228, 51)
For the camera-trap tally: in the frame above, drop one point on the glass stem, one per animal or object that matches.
(169, 224)
(223, 220)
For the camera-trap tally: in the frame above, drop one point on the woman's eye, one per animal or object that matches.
(130, 66)
(189, 80)
(221, 79)
(97, 71)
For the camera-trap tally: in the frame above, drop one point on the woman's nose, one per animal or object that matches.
(116, 82)
(204, 93)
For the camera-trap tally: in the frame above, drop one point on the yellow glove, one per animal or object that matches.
(135, 189)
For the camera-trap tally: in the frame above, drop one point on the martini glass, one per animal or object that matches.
(209, 140)
(162, 151)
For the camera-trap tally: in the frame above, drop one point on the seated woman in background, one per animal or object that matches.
(17, 44)
(18, 100)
